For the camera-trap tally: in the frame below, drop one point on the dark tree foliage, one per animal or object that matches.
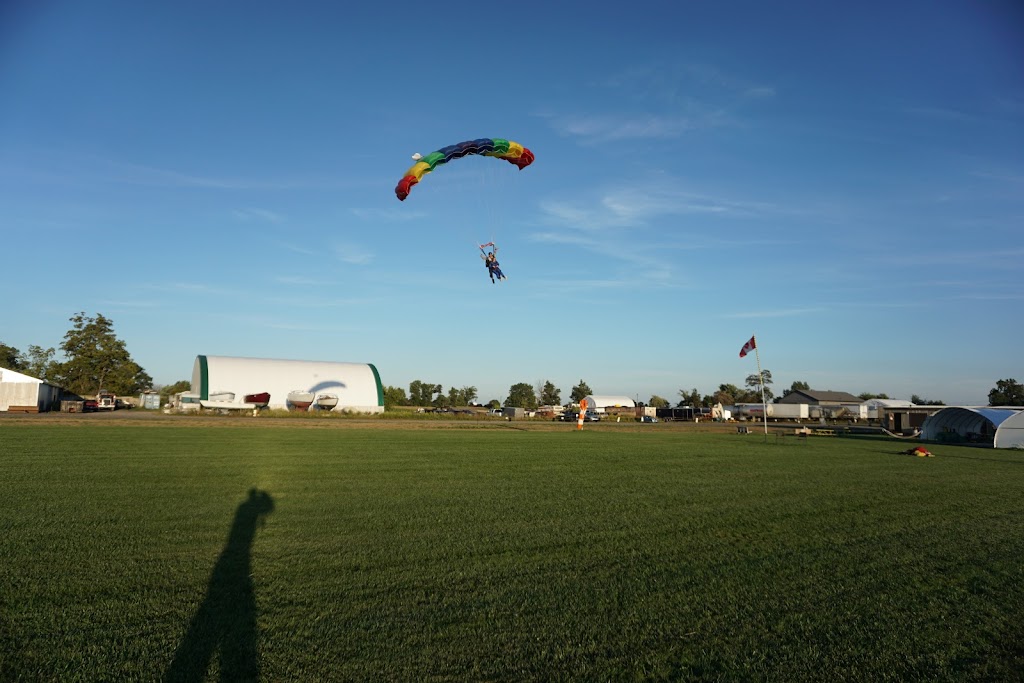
(580, 391)
(98, 360)
(10, 358)
(521, 395)
(1007, 392)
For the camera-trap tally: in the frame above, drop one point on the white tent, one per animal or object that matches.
(1003, 425)
(1011, 432)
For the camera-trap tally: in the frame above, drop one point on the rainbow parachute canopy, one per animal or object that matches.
(512, 152)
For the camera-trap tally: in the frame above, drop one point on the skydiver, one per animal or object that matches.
(491, 261)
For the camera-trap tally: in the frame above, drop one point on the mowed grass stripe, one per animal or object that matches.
(504, 555)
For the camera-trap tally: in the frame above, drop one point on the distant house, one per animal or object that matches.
(814, 397)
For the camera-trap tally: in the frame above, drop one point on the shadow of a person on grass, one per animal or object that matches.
(226, 621)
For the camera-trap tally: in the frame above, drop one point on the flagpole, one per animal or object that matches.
(760, 377)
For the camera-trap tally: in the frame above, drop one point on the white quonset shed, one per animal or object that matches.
(26, 394)
(1004, 426)
(601, 404)
(357, 385)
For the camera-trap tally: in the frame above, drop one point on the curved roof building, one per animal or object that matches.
(1004, 426)
(601, 403)
(356, 385)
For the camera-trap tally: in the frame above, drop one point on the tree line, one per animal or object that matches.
(520, 395)
(94, 359)
(545, 393)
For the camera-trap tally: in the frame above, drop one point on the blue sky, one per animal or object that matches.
(845, 180)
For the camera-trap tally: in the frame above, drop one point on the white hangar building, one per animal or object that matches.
(356, 385)
(1001, 426)
(602, 404)
(24, 394)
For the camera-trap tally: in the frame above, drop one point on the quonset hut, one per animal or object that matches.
(356, 385)
(1000, 426)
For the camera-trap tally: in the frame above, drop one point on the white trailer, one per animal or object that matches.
(776, 411)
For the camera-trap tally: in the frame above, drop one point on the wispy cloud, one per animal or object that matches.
(308, 302)
(697, 97)
(58, 167)
(985, 258)
(388, 215)
(138, 174)
(777, 313)
(607, 128)
(300, 281)
(636, 205)
(258, 215)
(674, 83)
(198, 288)
(305, 251)
(353, 254)
(124, 304)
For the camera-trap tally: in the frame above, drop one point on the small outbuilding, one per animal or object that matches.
(355, 386)
(1001, 427)
(25, 394)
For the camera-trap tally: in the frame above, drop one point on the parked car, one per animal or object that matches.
(90, 405)
(648, 418)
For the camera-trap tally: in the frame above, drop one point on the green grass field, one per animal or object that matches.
(188, 551)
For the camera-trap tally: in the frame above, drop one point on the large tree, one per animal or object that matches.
(521, 396)
(550, 395)
(39, 362)
(171, 389)
(754, 383)
(394, 396)
(422, 393)
(461, 397)
(691, 398)
(729, 394)
(580, 391)
(97, 359)
(657, 402)
(1007, 392)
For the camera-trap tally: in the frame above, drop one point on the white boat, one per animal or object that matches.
(326, 401)
(300, 400)
(225, 396)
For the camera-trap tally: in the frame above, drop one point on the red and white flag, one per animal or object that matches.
(748, 347)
